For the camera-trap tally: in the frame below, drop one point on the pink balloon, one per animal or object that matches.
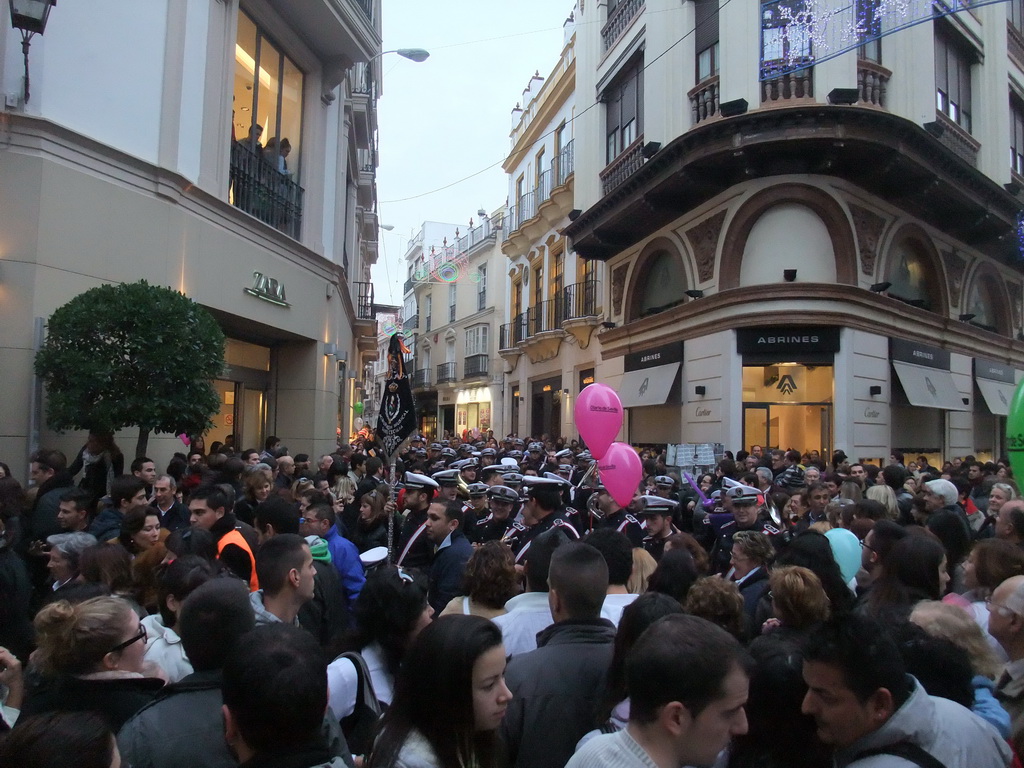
(599, 417)
(621, 472)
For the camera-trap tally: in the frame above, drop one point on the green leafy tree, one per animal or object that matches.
(129, 355)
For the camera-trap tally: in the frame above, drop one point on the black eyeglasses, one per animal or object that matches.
(140, 635)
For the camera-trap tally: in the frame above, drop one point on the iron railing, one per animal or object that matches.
(579, 300)
(540, 318)
(446, 372)
(364, 301)
(476, 365)
(421, 379)
(562, 165)
(261, 190)
(409, 285)
(510, 334)
(413, 321)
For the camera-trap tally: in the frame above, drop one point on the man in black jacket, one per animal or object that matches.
(452, 552)
(557, 687)
(184, 726)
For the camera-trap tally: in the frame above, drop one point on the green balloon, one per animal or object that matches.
(357, 407)
(1015, 432)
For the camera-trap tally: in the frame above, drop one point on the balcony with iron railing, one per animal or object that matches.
(623, 166)
(421, 379)
(618, 20)
(562, 165)
(550, 189)
(579, 300)
(364, 300)
(409, 285)
(476, 365)
(411, 322)
(446, 372)
(261, 190)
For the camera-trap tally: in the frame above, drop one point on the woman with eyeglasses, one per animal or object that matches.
(91, 657)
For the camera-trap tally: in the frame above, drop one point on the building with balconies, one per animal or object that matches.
(225, 149)
(806, 247)
(452, 314)
(554, 302)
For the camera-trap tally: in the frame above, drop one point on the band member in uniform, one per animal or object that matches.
(747, 514)
(502, 503)
(414, 547)
(541, 512)
(475, 509)
(448, 484)
(615, 517)
(657, 514)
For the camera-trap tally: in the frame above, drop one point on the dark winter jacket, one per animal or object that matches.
(114, 699)
(557, 689)
(445, 580)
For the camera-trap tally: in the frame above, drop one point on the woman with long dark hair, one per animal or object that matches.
(913, 570)
(458, 660)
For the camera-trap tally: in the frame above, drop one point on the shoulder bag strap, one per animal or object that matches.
(908, 750)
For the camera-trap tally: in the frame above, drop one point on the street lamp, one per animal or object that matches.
(29, 17)
(412, 54)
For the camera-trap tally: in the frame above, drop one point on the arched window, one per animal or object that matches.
(913, 276)
(662, 286)
(986, 303)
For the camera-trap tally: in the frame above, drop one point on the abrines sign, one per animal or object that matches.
(919, 354)
(651, 358)
(993, 371)
(787, 340)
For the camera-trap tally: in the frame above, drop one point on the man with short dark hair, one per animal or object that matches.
(48, 470)
(556, 686)
(871, 712)
(617, 552)
(144, 468)
(275, 697)
(74, 513)
(284, 565)
(210, 508)
(876, 545)
(126, 493)
(452, 551)
(173, 514)
(414, 547)
(183, 725)
(621, 520)
(687, 681)
(319, 520)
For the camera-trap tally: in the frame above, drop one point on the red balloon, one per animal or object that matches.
(598, 417)
(621, 472)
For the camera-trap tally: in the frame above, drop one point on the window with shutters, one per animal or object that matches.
(706, 38)
(953, 60)
(624, 105)
(1016, 134)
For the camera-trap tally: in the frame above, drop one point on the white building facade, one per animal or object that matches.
(554, 301)
(827, 258)
(152, 147)
(454, 295)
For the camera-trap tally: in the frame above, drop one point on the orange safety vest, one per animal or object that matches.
(236, 538)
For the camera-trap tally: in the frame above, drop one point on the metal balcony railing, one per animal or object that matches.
(413, 321)
(421, 379)
(409, 285)
(562, 166)
(364, 301)
(261, 190)
(510, 334)
(541, 318)
(446, 372)
(579, 300)
(476, 365)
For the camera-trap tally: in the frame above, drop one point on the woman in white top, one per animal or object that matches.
(458, 660)
(390, 612)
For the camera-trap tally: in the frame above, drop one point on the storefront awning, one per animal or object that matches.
(997, 394)
(648, 386)
(929, 387)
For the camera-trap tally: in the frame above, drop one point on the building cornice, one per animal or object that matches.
(808, 304)
(887, 155)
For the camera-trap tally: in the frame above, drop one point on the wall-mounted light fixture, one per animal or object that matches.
(650, 149)
(966, 317)
(875, 390)
(967, 400)
(789, 275)
(843, 96)
(695, 293)
(700, 390)
(330, 349)
(732, 108)
(29, 17)
(881, 287)
(607, 324)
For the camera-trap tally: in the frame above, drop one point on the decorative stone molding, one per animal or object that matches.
(1016, 297)
(618, 288)
(955, 268)
(868, 226)
(704, 242)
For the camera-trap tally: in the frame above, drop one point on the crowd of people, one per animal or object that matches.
(490, 604)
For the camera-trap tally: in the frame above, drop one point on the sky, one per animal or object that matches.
(449, 117)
